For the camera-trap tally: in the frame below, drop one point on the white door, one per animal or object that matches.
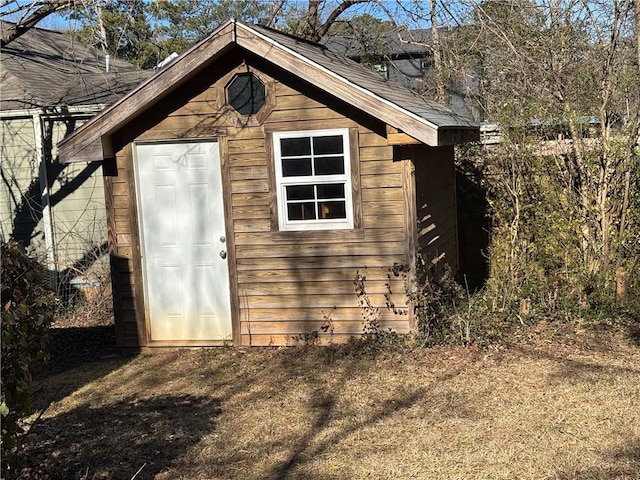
(181, 216)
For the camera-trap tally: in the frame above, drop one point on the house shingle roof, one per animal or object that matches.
(360, 76)
(347, 80)
(44, 68)
(399, 42)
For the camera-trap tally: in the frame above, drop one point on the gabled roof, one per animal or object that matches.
(397, 106)
(43, 69)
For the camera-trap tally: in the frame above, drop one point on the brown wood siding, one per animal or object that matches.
(436, 205)
(123, 246)
(286, 285)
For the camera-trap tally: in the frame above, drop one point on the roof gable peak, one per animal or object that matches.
(345, 79)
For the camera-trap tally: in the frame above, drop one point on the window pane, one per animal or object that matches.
(331, 190)
(332, 210)
(294, 147)
(329, 166)
(327, 145)
(300, 192)
(301, 211)
(246, 93)
(296, 167)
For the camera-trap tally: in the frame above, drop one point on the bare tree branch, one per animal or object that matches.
(31, 20)
(324, 28)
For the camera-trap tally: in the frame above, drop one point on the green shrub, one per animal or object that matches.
(27, 310)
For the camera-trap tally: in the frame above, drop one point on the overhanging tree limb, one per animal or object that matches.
(31, 20)
(315, 31)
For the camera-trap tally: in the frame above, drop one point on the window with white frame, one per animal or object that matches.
(313, 179)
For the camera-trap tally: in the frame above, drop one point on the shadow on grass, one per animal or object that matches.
(580, 370)
(79, 356)
(117, 440)
(321, 407)
(627, 456)
(71, 346)
(332, 423)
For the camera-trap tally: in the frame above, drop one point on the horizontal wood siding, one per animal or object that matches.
(126, 277)
(436, 206)
(291, 286)
(294, 289)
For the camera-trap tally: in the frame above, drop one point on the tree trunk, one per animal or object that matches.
(437, 53)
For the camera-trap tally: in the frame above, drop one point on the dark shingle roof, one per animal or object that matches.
(44, 68)
(354, 84)
(362, 77)
(399, 42)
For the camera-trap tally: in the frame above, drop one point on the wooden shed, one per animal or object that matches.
(249, 181)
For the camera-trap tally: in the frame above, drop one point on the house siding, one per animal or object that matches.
(287, 285)
(407, 71)
(79, 223)
(19, 196)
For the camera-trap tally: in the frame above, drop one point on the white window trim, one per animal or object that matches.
(282, 182)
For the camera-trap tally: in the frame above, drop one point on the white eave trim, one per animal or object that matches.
(54, 112)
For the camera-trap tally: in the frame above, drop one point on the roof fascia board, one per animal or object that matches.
(146, 94)
(385, 110)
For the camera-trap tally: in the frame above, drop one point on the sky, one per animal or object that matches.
(412, 13)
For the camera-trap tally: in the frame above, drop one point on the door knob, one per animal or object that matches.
(223, 254)
(223, 239)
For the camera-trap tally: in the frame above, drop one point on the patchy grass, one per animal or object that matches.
(553, 405)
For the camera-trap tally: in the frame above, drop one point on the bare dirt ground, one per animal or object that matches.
(559, 402)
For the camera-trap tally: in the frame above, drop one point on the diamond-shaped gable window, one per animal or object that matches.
(246, 93)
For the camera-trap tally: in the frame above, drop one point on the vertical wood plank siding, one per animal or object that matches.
(287, 284)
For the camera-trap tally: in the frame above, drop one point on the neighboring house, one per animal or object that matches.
(400, 55)
(49, 85)
(249, 181)
(405, 56)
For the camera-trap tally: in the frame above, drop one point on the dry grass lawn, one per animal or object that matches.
(553, 405)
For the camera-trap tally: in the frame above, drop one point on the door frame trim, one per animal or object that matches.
(230, 242)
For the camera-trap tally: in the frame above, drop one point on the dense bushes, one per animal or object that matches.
(27, 312)
(546, 258)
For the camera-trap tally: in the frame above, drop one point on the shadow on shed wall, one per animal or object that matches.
(473, 232)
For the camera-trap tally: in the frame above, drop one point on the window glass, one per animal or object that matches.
(329, 165)
(296, 167)
(313, 180)
(331, 190)
(300, 192)
(295, 147)
(246, 93)
(301, 211)
(327, 145)
(331, 210)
